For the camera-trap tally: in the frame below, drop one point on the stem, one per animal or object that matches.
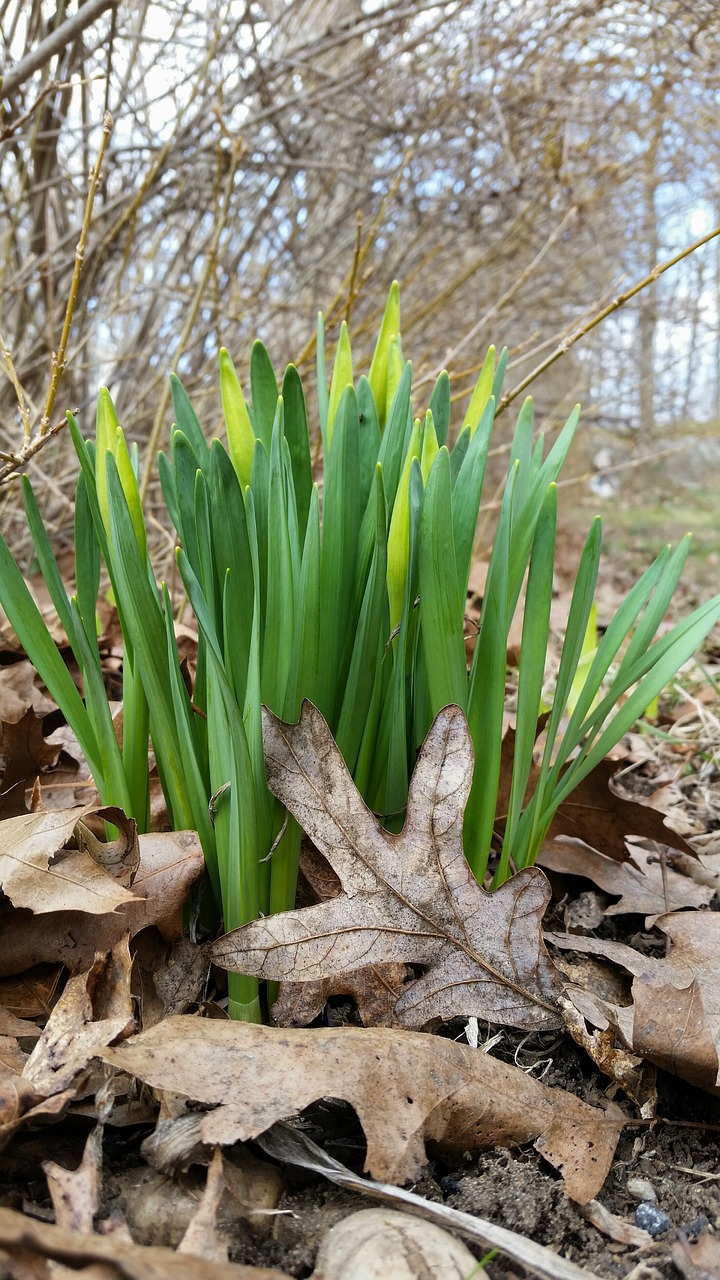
(570, 339)
(58, 363)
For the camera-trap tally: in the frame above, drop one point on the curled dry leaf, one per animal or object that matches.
(170, 863)
(642, 889)
(94, 1010)
(119, 857)
(37, 871)
(632, 1073)
(674, 1020)
(407, 898)
(406, 1089)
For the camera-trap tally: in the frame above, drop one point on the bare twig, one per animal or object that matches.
(58, 364)
(58, 40)
(16, 461)
(571, 338)
(32, 445)
(208, 267)
(23, 406)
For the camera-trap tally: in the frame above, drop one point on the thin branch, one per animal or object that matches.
(209, 264)
(17, 387)
(571, 338)
(58, 40)
(16, 461)
(58, 363)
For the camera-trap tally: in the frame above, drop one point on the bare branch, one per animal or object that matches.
(58, 40)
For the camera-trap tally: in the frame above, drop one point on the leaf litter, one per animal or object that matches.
(95, 1017)
(405, 1089)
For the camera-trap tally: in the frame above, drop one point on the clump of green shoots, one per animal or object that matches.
(350, 593)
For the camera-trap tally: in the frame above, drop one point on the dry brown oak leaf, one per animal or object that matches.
(170, 863)
(594, 812)
(27, 754)
(409, 897)
(640, 885)
(39, 871)
(674, 1020)
(406, 1087)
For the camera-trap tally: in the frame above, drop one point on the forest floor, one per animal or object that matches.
(666, 1165)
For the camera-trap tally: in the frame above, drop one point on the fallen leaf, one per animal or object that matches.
(119, 857)
(201, 1236)
(94, 1010)
(170, 863)
(674, 1019)
(628, 1070)
(373, 1244)
(375, 990)
(698, 1259)
(133, 1262)
(598, 815)
(10, 1025)
(12, 1058)
(75, 1193)
(37, 871)
(641, 888)
(19, 690)
(27, 754)
(30, 994)
(406, 898)
(405, 1087)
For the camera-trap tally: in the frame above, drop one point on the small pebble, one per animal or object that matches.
(652, 1219)
(641, 1189)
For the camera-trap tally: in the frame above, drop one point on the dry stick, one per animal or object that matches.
(59, 39)
(360, 255)
(509, 293)
(58, 361)
(45, 433)
(356, 260)
(23, 406)
(570, 340)
(7, 130)
(210, 259)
